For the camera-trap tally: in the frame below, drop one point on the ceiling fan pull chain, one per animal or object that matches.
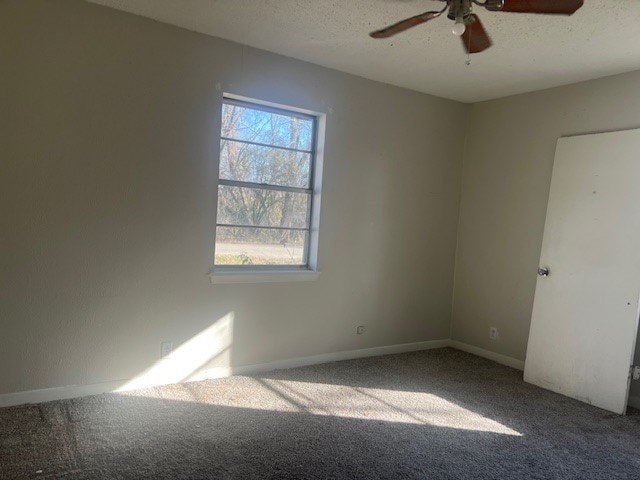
(468, 62)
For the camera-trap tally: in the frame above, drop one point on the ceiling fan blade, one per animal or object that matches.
(403, 25)
(475, 38)
(557, 7)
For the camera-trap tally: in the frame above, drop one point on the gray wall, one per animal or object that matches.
(109, 136)
(507, 168)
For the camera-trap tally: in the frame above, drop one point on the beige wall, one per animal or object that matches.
(507, 168)
(108, 138)
(108, 134)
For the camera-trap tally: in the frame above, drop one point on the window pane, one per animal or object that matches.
(260, 246)
(261, 207)
(253, 125)
(245, 162)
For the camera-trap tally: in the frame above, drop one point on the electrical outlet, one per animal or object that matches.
(360, 330)
(493, 333)
(165, 349)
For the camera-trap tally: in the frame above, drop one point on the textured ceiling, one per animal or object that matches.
(530, 52)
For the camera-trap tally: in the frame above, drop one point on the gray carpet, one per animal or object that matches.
(440, 414)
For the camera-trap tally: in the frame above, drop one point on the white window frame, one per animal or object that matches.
(279, 273)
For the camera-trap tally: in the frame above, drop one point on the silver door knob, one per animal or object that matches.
(543, 272)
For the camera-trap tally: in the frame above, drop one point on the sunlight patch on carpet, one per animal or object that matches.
(342, 401)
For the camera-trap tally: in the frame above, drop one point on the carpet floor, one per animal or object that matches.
(438, 414)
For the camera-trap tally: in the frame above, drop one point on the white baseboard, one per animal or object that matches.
(481, 352)
(57, 393)
(73, 391)
(349, 355)
(634, 402)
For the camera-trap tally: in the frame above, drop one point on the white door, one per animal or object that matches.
(585, 312)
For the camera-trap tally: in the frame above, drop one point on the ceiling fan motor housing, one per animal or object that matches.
(459, 9)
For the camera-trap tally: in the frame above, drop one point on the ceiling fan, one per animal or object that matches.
(467, 24)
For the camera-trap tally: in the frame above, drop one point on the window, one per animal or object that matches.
(266, 188)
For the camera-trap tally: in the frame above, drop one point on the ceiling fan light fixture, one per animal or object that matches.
(494, 5)
(459, 27)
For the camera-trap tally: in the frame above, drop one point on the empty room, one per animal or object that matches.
(297, 239)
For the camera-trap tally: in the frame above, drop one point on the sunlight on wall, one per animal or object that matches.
(191, 360)
(344, 401)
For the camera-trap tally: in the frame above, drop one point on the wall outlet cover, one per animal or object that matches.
(165, 349)
(493, 333)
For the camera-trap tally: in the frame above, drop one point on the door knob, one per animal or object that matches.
(543, 272)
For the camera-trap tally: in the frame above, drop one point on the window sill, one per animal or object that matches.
(264, 276)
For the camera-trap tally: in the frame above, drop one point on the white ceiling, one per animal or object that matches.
(530, 52)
